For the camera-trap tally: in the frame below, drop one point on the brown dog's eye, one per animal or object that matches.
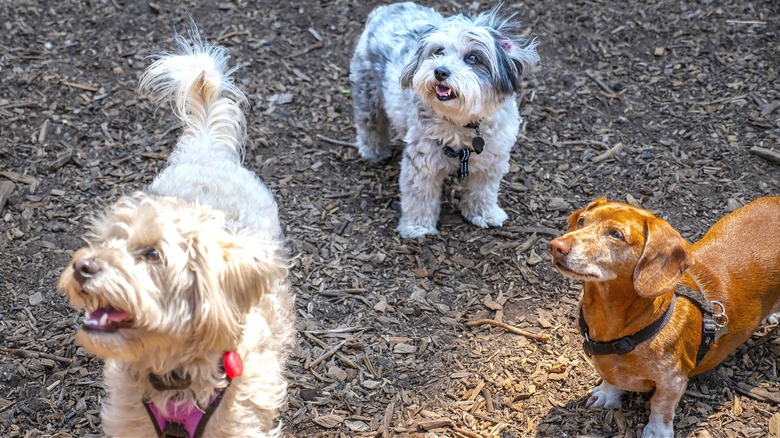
(615, 234)
(151, 256)
(580, 222)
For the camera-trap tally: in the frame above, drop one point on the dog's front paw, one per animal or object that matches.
(604, 396)
(411, 231)
(657, 430)
(493, 216)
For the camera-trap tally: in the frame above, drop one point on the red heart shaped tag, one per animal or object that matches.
(233, 364)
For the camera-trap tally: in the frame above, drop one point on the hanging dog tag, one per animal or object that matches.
(478, 143)
(722, 330)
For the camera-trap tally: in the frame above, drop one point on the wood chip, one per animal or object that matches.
(6, 189)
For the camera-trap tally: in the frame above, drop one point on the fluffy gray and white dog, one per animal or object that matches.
(447, 88)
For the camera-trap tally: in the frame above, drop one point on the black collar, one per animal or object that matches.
(171, 382)
(625, 344)
(714, 324)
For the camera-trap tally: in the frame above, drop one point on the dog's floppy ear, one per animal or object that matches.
(420, 53)
(516, 55)
(574, 217)
(515, 60)
(252, 269)
(232, 273)
(664, 259)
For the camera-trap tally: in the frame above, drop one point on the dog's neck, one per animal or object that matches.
(613, 309)
(702, 277)
(196, 381)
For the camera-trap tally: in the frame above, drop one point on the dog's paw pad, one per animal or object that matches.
(410, 231)
(492, 217)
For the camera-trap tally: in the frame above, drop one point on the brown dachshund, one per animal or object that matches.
(656, 310)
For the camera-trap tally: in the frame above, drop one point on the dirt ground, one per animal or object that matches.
(653, 103)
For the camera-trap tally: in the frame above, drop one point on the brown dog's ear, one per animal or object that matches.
(664, 259)
(574, 217)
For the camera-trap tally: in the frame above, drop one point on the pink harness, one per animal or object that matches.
(183, 421)
(188, 420)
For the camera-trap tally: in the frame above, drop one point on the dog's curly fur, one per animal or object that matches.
(189, 268)
(426, 78)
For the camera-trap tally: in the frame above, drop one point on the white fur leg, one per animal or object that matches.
(772, 319)
(662, 404)
(604, 396)
(420, 197)
(657, 430)
(479, 202)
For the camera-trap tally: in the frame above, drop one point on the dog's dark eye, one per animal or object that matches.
(580, 222)
(438, 51)
(151, 256)
(471, 58)
(617, 235)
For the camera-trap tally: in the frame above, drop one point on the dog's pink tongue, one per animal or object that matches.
(105, 317)
(443, 91)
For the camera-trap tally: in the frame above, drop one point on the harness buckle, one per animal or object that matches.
(587, 345)
(709, 330)
(175, 430)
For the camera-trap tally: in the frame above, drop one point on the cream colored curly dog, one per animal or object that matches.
(186, 281)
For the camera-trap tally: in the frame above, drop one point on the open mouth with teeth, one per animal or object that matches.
(444, 92)
(106, 319)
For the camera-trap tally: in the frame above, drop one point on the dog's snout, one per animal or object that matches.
(560, 247)
(441, 73)
(84, 269)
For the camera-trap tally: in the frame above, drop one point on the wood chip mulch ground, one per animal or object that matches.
(670, 105)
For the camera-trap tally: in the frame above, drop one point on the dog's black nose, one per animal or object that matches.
(441, 73)
(84, 269)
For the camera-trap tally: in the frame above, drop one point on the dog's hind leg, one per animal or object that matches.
(373, 126)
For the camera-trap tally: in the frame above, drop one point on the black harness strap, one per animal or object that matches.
(713, 323)
(625, 344)
(463, 156)
(477, 142)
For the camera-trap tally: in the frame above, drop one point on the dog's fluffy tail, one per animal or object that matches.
(197, 82)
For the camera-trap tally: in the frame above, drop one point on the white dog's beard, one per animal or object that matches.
(461, 97)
